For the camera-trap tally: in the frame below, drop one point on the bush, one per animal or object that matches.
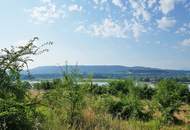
(120, 86)
(170, 96)
(184, 93)
(146, 92)
(46, 85)
(98, 90)
(17, 110)
(129, 108)
(68, 99)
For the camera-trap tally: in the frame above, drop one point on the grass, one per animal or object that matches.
(95, 119)
(94, 116)
(104, 121)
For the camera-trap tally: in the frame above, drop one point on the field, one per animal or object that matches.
(96, 116)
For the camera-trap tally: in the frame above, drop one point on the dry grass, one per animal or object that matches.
(184, 114)
(34, 93)
(90, 117)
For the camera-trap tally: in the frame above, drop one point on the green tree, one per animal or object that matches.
(67, 97)
(17, 109)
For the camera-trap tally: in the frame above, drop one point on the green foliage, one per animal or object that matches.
(129, 108)
(18, 115)
(170, 96)
(17, 110)
(184, 93)
(98, 90)
(68, 96)
(72, 103)
(124, 100)
(146, 92)
(121, 86)
(46, 85)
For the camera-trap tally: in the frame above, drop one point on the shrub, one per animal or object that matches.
(98, 90)
(170, 96)
(46, 85)
(120, 86)
(17, 110)
(68, 98)
(184, 93)
(146, 92)
(129, 108)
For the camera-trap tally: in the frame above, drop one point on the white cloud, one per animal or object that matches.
(99, 1)
(100, 4)
(139, 10)
(81, 28)
(164, 23)
(119, 3)
(143, 13)
(185, 42)
(187, 6)
(46, 13)
(151, 3)
(75, 8)
(185, 29)
(167, 5)
(187, 25)
(181, 30)
(96, 1)
(46, 1)
(137, 29)
(108, 28)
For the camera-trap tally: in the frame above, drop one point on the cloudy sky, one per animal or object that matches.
(153, 33)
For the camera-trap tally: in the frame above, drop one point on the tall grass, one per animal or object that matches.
(120, 106)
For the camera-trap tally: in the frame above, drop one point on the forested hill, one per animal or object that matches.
(103, 71)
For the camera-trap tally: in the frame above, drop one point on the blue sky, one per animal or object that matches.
(153, 33)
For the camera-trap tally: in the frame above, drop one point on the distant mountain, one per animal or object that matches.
(105, 71)
(83, 69)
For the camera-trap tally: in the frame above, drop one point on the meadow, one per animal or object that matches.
(121, 104)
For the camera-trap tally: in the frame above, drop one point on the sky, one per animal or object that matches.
(150, 33)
